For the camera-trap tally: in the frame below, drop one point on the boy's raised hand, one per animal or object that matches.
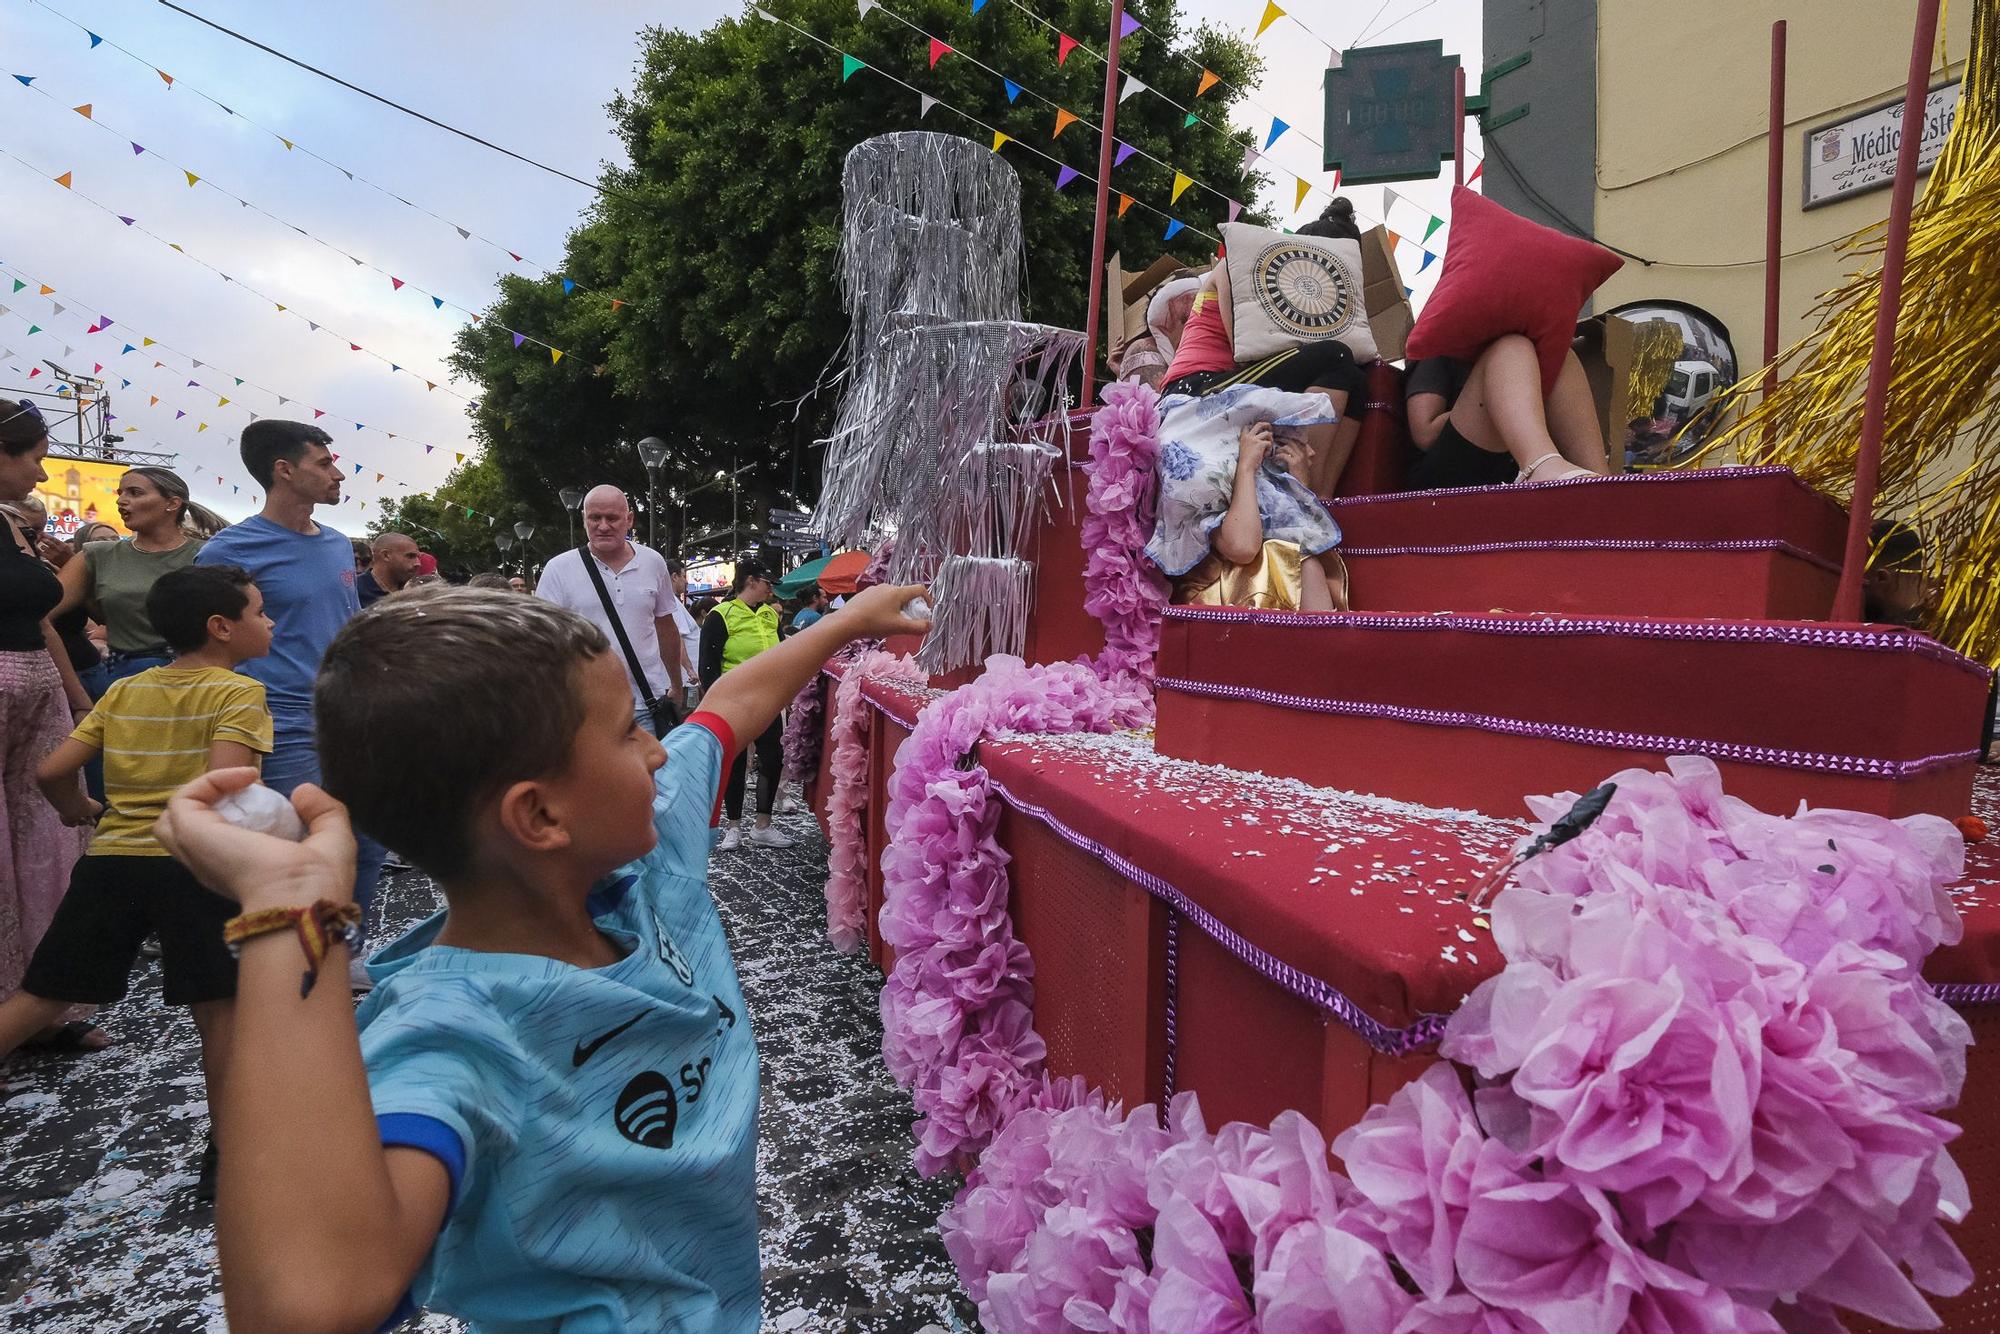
(877, 613)
(260, 870)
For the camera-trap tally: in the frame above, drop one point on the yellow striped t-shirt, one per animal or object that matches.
(155, 730)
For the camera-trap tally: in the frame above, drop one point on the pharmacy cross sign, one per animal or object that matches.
(1389, 112)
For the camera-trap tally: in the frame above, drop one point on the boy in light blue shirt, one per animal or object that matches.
(549, 1119)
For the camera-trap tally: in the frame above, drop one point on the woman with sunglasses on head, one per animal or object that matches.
(114, 577)
(40, 699)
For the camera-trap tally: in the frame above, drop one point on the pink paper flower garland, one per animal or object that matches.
(1704, 1099)
(957, 1009)
(1123, 589)
(847, 851)
(805, 729)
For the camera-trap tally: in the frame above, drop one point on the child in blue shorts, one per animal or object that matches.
(548, 1121)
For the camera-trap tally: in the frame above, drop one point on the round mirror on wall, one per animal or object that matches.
(1683, 364)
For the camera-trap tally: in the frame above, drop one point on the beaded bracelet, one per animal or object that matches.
(318, 927)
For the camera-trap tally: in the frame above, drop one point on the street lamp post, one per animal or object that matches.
(525, 530)
(652, 453)
(505, 542)
(572, 499)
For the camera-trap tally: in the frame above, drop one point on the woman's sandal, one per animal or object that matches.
(1567, 469)
(72, 1038)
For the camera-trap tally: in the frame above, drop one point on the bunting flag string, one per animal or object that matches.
(292, 145)
(149, 344)
(396, 284)
(1065, 117)
(1209, 79)
(926, 102)
(314, 325)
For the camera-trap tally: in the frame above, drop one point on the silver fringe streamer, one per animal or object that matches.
(980, 607)
(994, 495)
(943, 378)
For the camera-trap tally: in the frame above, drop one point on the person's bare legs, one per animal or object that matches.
(1572, 416)
(214, 1020)
(1501, 408)
(1331, 445)
(23, 1016)
(1323, 583)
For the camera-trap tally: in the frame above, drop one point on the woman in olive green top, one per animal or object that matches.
(113, 578)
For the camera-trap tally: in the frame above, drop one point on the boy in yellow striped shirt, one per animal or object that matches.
(157, 730)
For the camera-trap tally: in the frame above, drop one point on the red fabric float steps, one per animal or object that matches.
(1473, 711)
(1751, 543)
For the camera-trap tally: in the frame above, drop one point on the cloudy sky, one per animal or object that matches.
(532, 77)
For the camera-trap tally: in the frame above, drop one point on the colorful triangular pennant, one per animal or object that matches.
(1271, 15)
(1064, 45)
(1064, 119)
(1209, 78)
(1065, 176)
(849, 64)
(938, 51)
(1181, 182)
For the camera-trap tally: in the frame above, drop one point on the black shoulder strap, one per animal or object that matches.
(618, 629)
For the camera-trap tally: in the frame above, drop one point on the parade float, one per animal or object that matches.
(1610, 960)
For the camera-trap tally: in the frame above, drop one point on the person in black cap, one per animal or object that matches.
(742, 626)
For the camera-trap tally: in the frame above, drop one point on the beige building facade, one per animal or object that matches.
(1645, 127)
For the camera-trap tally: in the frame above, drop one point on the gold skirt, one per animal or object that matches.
(1271, 583)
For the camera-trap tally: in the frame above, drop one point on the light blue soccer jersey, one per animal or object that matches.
(600, 1124)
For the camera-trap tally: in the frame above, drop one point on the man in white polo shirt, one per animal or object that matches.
(636, 583)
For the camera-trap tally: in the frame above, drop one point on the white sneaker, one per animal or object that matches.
(770, 836)
(732, 839)
(358, 980)
(784, 805)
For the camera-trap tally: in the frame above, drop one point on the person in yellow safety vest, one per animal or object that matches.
(738, 630)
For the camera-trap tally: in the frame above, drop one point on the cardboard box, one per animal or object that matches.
(1604, 346)
(1389, 316)
(1127, 295)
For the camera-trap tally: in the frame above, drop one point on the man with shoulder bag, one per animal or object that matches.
(625, 590)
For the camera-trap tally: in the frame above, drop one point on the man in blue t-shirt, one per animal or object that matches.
(549, 1119)
(306, 573)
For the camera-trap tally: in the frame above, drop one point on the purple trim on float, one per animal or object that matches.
(1596, 479)
(1819, 761)
(1390, 1041)
(1737, 632)
(1423, 1034)
(1168, 1078)
(1604, 544)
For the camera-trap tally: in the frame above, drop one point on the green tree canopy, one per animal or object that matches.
(721, 240)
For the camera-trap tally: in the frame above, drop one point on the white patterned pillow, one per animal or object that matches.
(1289, 290)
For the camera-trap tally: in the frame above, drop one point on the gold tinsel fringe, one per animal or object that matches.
(1947, 371)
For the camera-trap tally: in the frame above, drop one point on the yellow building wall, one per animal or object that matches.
(1682, 104)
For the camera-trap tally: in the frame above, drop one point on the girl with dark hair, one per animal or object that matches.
(40, 698)
(114, 577)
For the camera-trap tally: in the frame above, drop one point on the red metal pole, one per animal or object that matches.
(1458, 126)
(1094, 317)
(1868, 460)
(1774, 218)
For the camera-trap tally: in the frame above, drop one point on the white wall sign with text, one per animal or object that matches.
(1858, 154)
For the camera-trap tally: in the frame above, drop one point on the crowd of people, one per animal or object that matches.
(133, 665)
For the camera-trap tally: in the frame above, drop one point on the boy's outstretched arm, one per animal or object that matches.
(749, 696)
(319, 1228)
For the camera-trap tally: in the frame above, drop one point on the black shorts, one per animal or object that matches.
(1322, 365)
(1454, 461)
(113, 904)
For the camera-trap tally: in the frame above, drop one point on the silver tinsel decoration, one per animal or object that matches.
(943, 379)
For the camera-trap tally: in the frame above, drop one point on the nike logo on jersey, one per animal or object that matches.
(585, 1050)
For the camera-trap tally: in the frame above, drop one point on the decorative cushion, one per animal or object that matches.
(1506, 275)
(1288, 290)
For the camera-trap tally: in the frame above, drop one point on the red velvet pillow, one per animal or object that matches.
(1506, 275)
